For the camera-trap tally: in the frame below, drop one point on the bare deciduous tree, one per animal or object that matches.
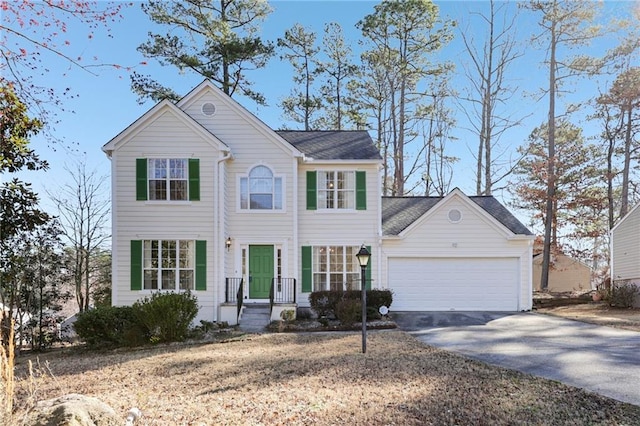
(83, 211)
(484, 100)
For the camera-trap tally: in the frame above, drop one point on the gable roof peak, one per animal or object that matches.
(399, 213)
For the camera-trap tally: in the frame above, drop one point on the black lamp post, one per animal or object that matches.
(363, 259)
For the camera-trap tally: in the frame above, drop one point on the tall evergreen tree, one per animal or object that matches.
(218, 40)
(405, 36)
(299, 48)
(565, 25)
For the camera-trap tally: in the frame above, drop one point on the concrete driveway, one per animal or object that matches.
(600, 359)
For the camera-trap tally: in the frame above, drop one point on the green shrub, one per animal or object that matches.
(303, 313)
(348, 311)
(622, 294)
(372, 314)
(378, 298)
(167, 316)
(324, 303)
(110, 326)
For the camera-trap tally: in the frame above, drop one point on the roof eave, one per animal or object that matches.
(338, 161)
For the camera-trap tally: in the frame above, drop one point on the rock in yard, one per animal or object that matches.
(73, 410)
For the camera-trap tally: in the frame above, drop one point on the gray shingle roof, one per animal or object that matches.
(400, 212)
(333, 144)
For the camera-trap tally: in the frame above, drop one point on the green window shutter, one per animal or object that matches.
(136, 265)
(141, 179)
(367, 275)
(307, 275)
(312, 198)
(361, 190)
(201, 265)
(194, 179)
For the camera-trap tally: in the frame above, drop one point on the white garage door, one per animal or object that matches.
(461, 284)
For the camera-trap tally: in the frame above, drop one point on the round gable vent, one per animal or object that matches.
(455, 215)
(208, 108)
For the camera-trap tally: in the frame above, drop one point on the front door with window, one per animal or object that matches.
(260, 271)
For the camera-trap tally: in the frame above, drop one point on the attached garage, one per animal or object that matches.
(455, 253)
(461, 284)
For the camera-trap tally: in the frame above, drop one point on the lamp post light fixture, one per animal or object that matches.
(363, 259)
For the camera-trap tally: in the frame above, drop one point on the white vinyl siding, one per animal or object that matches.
(625, 247)
(341, 227)
(251, 147)
(476, 235)
(136, 220)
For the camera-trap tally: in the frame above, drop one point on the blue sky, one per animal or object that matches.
(105, 105)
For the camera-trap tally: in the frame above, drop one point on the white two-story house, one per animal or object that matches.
(208, 198)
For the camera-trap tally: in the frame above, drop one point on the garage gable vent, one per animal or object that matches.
(208, 108)
(455, 215)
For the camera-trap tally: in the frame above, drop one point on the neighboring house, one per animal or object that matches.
(566, 274)
(207, 198)
(625, 248)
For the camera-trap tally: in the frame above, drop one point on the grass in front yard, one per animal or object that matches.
(320, 379)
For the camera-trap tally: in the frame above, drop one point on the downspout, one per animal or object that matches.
(382, 283)
(220, 219)
(294, 268)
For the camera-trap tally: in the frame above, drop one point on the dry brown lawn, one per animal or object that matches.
(317, 379)
(598, 313)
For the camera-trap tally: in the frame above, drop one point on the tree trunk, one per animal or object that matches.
(624, 197)
(549, 213)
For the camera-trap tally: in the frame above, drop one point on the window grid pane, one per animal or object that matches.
(186, 280)
(277, 194)
(244, 193)
(168, 279)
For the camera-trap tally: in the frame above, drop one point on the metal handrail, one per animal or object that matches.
(239, 298)
(233, 294)
(271, 296)
(283, 290)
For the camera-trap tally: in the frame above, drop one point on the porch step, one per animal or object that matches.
(254, 318)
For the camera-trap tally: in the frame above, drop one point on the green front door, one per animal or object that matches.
(260, 271)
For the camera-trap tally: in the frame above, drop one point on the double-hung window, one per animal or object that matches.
(336, 190)
(335, 268)
(168, 179)
(168, 264)
(260, 190)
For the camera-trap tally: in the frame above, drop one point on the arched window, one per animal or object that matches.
(260, 190)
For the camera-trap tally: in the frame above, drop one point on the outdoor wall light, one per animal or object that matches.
(227, 243)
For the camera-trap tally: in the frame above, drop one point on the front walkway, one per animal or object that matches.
(600, 359)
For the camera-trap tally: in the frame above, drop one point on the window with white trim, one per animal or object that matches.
(168, 264)
(168, 178)
(261, 190)
(335, 268)
(336, 190)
